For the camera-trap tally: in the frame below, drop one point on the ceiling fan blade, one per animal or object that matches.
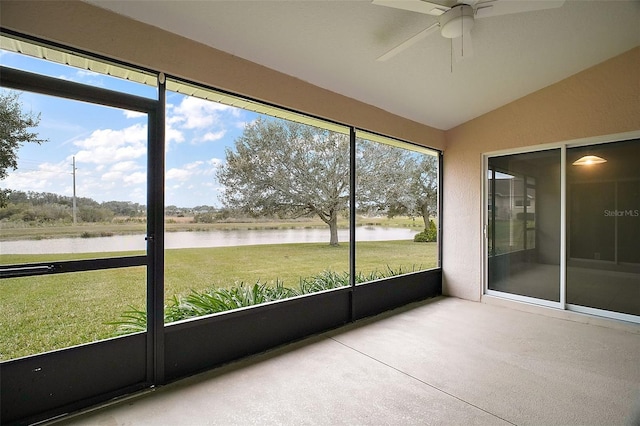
(426, 7)
(462, 47)
(485, 9)
(410, 42)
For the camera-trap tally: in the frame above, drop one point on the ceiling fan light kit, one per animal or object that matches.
(456, 21)
(456, 18)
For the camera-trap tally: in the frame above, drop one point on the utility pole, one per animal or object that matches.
(74, 191)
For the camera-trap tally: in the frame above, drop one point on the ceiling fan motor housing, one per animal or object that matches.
(456, 21)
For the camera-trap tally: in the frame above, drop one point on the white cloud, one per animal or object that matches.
(111, 176)
(88, 73)
(178, 174)
(172, 135)
(135, 178)
(109, 137)
(47, 177)
(86, 77)
(123, 174)
(133, 114)
(194, 165)
(190, 170)
(194, 113)
(119, 175)
(198, 121)
(125, 166)
(199, 114)
(213, 136)
(89, 183)
(107, 146)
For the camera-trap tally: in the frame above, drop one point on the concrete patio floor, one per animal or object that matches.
(442, 361)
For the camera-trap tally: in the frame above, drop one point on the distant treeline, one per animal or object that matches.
(46, 207)
(34, 206)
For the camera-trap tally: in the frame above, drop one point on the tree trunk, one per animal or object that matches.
(333, 228)
(424, 209)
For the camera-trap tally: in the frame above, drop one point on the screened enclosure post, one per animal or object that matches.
(563, 227)
(155, 240)
(439, 207)
(352, 216)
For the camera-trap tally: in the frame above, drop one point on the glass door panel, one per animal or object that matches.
(603, 227)
(524, 224)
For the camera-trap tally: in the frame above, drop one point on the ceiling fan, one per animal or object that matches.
(456, 18)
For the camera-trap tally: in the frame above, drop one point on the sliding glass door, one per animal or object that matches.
(565, 232)
(603, 227)
(524, 223)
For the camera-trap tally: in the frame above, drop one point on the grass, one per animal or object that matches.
(43, 313)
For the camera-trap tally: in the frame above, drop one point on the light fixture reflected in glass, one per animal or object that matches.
(588, 160)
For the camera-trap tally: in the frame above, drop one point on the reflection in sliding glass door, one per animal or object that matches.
(524, 224)
(603, 229)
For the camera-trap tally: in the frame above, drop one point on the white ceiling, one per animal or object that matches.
(334, 45)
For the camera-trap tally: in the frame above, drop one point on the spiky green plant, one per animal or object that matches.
(131, 321)
(221, 299)
(325, 280)
(214, 300)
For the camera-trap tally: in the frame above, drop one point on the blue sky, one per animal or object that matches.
(109, 144)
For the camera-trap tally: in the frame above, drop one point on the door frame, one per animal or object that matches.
(563, 146)
(53, 383)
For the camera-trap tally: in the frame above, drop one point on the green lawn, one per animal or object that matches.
(44, 313)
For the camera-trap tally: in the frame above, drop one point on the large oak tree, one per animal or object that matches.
(288, 169)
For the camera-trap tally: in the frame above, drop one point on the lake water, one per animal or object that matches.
(219, 238)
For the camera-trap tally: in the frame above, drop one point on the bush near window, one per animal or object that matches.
(429, 235)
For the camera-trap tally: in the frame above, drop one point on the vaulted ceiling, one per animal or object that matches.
(335, 44)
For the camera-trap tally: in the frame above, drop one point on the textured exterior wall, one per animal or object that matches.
(84, 26)
(601, 100)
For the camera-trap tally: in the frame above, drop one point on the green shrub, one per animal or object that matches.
(429, 234)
